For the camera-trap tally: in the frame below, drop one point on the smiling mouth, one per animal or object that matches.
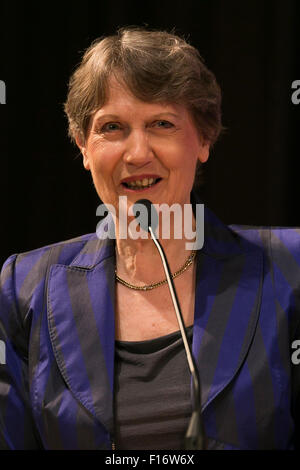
(142, 183)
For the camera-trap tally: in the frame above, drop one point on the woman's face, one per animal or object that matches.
(142, 150)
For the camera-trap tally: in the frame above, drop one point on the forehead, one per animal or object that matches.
(120, 100)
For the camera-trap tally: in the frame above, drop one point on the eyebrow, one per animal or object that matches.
(117, 117)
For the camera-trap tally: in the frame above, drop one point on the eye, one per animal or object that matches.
(111, 127)
(163, 124)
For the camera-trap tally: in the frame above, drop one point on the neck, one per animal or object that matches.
(138, 261)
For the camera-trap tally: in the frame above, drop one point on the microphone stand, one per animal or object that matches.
(194, 438)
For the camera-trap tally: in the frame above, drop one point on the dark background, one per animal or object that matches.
(253, 47)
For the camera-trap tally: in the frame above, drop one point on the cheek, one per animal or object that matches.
(172, 156)
(102, 161)
(183, 158)
(183, 165)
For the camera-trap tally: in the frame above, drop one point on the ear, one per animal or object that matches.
(204, 151)
(82, 147)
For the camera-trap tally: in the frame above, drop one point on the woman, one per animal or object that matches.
(93, 361)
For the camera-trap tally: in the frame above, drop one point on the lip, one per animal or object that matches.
(140, 190)
(139, 177)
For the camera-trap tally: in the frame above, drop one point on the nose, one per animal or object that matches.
(138, 150)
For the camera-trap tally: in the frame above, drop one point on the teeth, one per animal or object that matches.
(141, 183)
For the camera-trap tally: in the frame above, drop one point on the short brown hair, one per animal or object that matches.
(156, 66)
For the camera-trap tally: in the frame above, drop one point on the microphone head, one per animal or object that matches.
(146, 214)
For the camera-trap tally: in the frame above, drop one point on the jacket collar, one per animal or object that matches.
(219, 240)
(81, 303)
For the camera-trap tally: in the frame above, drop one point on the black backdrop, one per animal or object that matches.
(252, 46)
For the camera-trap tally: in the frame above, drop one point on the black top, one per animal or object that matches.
(152, 393)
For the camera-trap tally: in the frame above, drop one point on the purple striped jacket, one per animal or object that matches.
(57, 325)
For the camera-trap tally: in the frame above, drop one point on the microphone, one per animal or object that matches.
(148, 220)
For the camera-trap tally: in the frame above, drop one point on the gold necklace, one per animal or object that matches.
(188, 263)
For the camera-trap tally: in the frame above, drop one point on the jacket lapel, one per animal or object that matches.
(80, 302)
(81, 315)
(228, 295)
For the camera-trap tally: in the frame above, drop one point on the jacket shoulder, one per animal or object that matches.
(64, 252)
(280, 239)
(281, 247)
(23, 277)
(280, 244)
